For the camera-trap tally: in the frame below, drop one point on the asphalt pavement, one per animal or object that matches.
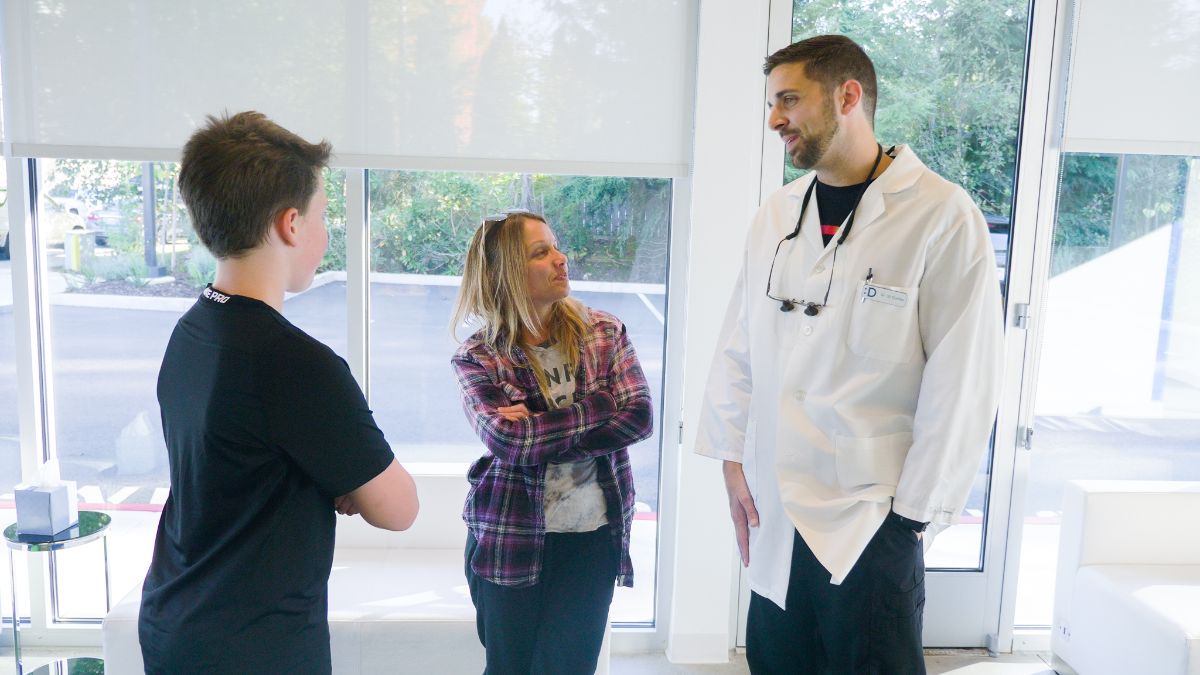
(105, 364)
(105, 367)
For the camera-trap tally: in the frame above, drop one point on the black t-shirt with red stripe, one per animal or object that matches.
(834, 205)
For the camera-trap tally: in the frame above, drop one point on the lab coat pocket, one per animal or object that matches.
(866, 461)
(883, 323)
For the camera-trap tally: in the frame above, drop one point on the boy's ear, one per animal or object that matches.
(284, 225)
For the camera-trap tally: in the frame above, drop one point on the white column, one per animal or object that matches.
(730, 98)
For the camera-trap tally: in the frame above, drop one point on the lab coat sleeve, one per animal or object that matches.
(962, 333)
(726, 406)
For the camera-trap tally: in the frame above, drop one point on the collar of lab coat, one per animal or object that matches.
(900, 175)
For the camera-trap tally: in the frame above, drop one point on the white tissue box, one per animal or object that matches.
(46, 510)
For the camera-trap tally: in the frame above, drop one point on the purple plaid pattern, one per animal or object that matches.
(612, 410)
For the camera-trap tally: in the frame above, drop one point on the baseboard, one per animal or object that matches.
(1061, 666)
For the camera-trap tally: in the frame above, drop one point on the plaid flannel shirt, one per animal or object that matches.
(612, 410)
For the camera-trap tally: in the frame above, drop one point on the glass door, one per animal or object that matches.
(1118, 389)
(953, 81)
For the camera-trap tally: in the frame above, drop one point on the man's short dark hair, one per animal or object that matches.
(239, 172)
(831, 60)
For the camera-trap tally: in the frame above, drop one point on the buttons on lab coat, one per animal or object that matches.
(808, 330)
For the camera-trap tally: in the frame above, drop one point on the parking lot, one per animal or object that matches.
(106, 353)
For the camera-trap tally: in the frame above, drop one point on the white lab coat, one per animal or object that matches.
(835, 415)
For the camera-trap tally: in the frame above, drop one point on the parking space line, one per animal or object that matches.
(121, 495)
(160, 496)
(90, 493)
(653, 310)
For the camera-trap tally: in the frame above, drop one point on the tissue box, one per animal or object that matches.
(46, 510)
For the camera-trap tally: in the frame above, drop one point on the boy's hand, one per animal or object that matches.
(345, 505)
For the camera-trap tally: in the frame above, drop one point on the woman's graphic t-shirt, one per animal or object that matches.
(573, 499)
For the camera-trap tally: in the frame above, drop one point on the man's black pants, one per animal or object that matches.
(870, 624)
(557, 625)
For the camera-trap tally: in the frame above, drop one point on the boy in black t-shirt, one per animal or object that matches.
(266, 429)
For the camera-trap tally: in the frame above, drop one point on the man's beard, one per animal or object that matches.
(809, 151)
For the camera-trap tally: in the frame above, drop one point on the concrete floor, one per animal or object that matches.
(943, 662)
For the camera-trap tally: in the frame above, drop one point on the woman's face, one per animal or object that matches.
(545, 265)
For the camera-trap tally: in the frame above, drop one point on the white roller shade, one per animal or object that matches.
(602, 86)
(1135, 78)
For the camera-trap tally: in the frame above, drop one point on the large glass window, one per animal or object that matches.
(1118, 394)
(950, 78)
(118, 278)
(614, 231)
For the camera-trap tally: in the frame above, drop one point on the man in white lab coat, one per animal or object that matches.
(856, 378)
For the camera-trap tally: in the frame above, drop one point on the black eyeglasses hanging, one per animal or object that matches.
(812, 308)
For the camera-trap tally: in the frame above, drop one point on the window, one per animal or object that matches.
(614, 232)
(950, 77)
(116, 287)
(115, 274)
(1118, 394)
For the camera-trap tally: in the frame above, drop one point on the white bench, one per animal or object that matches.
(1127, 596)
(398, 601)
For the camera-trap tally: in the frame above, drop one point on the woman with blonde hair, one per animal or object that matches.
(556, 394)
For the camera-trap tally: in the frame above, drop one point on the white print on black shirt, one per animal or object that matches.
(215, 295)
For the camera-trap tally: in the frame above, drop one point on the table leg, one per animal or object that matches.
(16, 619)
(107, 581)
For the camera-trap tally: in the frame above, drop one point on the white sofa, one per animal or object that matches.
(1127, 597)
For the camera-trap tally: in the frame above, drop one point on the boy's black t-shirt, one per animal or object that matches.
(264, 426)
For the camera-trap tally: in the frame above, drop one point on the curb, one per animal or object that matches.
(172, 304)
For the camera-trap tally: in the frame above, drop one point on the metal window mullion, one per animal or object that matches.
(675, 306)
(31, 342)
(358, 270)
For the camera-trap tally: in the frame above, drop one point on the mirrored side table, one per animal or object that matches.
(92, 525)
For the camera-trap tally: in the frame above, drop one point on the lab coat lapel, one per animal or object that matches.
(810, 230)
(904, 170)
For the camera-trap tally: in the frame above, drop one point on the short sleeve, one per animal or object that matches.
(319, 418)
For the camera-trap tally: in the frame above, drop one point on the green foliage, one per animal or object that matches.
(1085, 200)
(120, 267)
(611, 228)
(201, 267)
(1106, 201)
(335, 220)
(950, 75)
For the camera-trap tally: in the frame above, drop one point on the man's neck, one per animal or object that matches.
(253, 277)
(851, 166)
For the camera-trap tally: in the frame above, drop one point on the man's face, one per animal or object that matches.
(802, 113)
(313, 237)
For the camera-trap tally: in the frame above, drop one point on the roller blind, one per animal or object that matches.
(603, 86)
(1135, 78)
